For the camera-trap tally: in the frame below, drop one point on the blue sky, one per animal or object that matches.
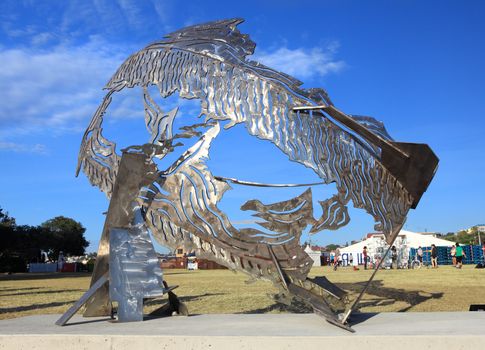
(416, 65)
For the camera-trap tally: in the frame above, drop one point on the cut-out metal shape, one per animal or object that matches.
(208, 62)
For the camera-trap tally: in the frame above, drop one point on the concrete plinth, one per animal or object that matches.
(443, 330)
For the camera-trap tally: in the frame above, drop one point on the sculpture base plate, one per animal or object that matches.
(431, 330)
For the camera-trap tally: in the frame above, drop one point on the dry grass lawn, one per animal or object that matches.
(222, 291)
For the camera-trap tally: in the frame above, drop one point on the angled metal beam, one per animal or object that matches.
(86, 296)
(412, 164)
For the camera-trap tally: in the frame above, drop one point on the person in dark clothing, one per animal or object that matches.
(393, 257)
(336, 259)
(364, 253)
(459, 254)
(434, 256)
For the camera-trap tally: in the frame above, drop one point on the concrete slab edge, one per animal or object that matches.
(166, 342)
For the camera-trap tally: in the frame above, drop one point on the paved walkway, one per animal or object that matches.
(434, 330)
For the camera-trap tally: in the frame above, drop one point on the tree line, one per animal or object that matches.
(22, 244)
(469, 237)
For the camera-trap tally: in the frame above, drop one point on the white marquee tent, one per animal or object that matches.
(376, 244)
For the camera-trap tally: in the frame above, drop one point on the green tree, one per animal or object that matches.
(465, 237)
(6, 220)
(470, 237)
(21, 244)
(66, 235)
(331, 247)
(450, 236)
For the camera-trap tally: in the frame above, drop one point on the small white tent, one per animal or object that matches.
(376, 243)
(315, 255)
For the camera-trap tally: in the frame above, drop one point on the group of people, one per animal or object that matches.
(377, 258)
(457, 255)
(434, 256)
(336, 259)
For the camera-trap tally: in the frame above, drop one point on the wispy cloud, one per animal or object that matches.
(54, 68)
(303, 63)
(41, 39)
(74, 20)
(164, 13)
(23, 148)
(55, 90)
(132, 12)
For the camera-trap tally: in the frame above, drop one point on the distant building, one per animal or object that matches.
(480, 227)
(180, 252)
(317, 248)
(182, 259)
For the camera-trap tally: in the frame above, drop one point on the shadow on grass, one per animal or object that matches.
(34, 307)
(296, 307)
(12, 289)
(184, 299)
(388, 296)
(41, 276)
(379, 296)
(41, 292)
(278, 307)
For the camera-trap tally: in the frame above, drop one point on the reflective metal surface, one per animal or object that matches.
(134, 272)
(208, 62)
(133, 173)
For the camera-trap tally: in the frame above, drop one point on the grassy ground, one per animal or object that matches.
(222, 291)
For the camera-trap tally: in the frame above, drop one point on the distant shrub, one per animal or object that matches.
(12, 264)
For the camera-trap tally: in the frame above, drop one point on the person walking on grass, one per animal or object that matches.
(453, 254)
(393, 257)
(364, 253)
(336, 259)
(434, 256)
(420, 256)
(459, 254)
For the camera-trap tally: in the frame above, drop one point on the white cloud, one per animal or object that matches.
(41, 39)
(23, 148)
(55, 90)
(303, 63)
(132, 12)
(164, 13)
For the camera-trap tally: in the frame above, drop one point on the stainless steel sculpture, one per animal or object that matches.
(209, 62)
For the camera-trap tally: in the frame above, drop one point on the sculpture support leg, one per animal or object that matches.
(134, 173)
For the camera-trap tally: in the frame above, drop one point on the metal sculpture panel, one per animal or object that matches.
(134, 272)
(209, 63)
